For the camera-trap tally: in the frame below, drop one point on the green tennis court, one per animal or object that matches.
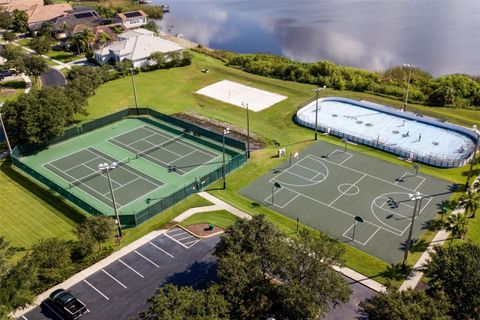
(156, 164)
(326, 188)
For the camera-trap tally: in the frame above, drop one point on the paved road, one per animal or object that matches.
(121, 289)
(350, 310)
(52, 78)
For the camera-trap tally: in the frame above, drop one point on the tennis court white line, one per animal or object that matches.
(126, 132)
(100, 292)
(141, 255)
(108, 199)
(69, 154)
(160, 249)
(191, 146)
(344, 192)
(143, 139)
(83, 164)
(126, 169)
(115, 279)
(126, 184)
(183, 156)
(126, 265)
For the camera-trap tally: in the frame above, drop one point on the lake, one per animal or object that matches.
(441, 37)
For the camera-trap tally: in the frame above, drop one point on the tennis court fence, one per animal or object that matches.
(158, 205)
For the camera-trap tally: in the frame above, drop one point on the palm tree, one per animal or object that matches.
(78, 41)
(457, 224)
(88, 37)
(104, 38)
(471, 202)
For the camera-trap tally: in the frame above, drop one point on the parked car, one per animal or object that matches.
(8, 73)
(66, 303)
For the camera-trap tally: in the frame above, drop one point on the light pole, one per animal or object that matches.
(477, 145)
(5, 131)
(357, 220)
(225, 132)
(317, 90)
(107, 167)
(413, 197)
(410, 67)
(275, 186)
(134, 91)
(345, 140)
(248, 128)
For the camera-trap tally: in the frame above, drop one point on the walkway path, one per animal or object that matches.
(415, 276)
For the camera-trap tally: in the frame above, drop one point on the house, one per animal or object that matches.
(135, 48)
(22, 5)
(135, 33)
(41, 14)
(132, 19)
(76, 21)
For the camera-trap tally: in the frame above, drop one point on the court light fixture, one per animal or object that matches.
(275, 186)
(410, 67)
(417, 197)
(317, 90)
(225, 132)
(245, 105)
(5, 131)
(134, 91)
(357, 219)
(105, 167)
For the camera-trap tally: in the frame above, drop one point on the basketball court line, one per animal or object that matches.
(341, 152)
(361, 243)
(344, 192)
(398, 231)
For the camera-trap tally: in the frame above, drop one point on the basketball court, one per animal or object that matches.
(326, 187)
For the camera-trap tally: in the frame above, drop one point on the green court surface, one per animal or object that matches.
(326, 187)
(153, 161)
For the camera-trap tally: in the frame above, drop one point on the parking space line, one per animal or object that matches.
(100, 292)
(190, 236)
(194, 241)
(24, 318)
(177, 234)
(126, 265)
(173, 239)
(51, 309)
(118, 281)
(168, 254)
(141, 255)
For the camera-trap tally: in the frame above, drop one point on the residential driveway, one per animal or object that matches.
(52, 78)
(121, 289)
(350, 310)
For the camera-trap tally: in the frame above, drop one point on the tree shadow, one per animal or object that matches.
(198, 275)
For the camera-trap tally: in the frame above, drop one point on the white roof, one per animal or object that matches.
(140, 47)
(135, 33)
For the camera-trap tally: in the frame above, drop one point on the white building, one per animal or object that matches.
(136, 46)
(132, 19)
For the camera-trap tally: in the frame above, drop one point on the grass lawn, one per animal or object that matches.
(24, 42)
(220, 218)
(64, 56)
(17, 85)
(172, 91)
(30, 213)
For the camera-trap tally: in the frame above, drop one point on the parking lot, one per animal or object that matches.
(121, 289)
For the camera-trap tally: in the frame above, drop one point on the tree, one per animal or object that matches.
(5, 254)
(471, 202)
(19, 21)
(41, 44)
(457, 224)
(104, 39)
(175, 303)
(79, 42)
(454, 270)
(51, 257)
(37, 117)
(406, 305)
(5, 19)
(88, 37)
(152, 26)
(35, 65)
(94, 230)
(262, 272)
(9, 36)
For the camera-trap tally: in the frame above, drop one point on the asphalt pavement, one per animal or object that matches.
(53, 77)
(121, 289)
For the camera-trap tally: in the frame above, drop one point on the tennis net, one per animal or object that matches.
(159, 146)
(96, 173)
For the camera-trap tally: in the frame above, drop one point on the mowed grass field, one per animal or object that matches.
(172, 91)
(30, 213)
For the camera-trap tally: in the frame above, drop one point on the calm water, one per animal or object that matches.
(441, 37)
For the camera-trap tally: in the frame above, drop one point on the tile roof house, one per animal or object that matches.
(22, 5)
(76, 21)
(132, 19)
(37, 15)
(135, 48)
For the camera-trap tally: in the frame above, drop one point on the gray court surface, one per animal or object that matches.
(80, 169)
(326, 187)
(164, 149)
(121, 289)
